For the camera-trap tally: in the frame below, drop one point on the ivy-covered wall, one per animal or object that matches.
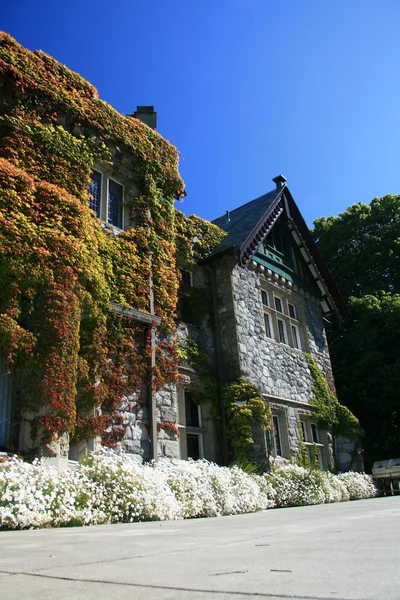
(59, 271)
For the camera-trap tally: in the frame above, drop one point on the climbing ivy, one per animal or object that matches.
(329, 412)
(59, 270)
(244, 405)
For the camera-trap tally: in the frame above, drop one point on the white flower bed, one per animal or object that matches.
(359, 485)
(107, 488)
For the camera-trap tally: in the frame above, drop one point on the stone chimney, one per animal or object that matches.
(279, 181)
(147, 115)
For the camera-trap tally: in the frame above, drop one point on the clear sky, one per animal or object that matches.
(246, 89)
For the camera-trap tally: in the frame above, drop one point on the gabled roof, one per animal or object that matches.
(242, 221)
(248, 225)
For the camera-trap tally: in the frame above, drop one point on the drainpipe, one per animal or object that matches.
(218, 356)
(152, 391)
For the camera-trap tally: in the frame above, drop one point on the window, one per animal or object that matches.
(268, 325)
(281, 319)
(184, 308)
(190, 425)
(292, 311)
(193, 446)
(295, 336)
(186, 278)
(114, 207)
(106, 200)
(95, 192)
(276, 436)
(282, 331)
(264, 297)
(278, 304)
(311, 439)
(192, 411)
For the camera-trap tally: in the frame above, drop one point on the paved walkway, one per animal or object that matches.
(344, 551)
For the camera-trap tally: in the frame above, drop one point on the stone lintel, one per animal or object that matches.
(136, 315)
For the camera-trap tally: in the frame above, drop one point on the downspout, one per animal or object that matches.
(218, 357)
(152, 391)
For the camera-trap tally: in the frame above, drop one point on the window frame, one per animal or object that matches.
(185, 429)
(307, 426)
(184, 297)
(108, 203)
(282, 333)
(98, 215)
(268, 317)
(279, 429)
(104, 207)
(289, 332)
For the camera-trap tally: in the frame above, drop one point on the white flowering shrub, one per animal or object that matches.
(33, 495)
(106, 488)
(297, 486)
(358, 485)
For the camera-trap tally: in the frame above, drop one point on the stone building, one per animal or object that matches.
(252, 307)
(270, 295)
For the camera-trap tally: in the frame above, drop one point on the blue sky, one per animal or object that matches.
(246, 89)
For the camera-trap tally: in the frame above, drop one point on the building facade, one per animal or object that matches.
(251, 307)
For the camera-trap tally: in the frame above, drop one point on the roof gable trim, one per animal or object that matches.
(332, 301)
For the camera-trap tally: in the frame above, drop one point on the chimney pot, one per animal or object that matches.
(279, 181)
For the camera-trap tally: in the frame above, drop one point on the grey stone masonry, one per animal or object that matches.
(279, 370)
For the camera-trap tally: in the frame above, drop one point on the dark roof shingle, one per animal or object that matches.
(242, 221)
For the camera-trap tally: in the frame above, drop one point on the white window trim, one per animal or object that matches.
(297, 330)
(268, 315)
(185, 429)
(288, 322)
(285, 332)
(309, 443)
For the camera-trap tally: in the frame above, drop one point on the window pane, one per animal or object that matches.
(296, 341)
(268, 328)
(314, 432)
(115, 195)
(264, 297)
(193, 446)
(292, 311)
(191, 411)
(282, 332)
(95, 192)
(303, 431)
(186, 280)
(278, 304)
(277, 436)
(184, 309)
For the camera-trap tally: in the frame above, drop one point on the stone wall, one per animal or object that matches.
(279, 371)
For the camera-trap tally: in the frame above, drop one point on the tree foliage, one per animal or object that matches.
(362, 248)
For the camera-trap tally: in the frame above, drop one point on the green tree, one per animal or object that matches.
(362, 249)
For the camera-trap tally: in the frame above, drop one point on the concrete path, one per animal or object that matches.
(344, 551)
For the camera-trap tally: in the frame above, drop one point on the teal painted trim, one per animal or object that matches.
(287, 273)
